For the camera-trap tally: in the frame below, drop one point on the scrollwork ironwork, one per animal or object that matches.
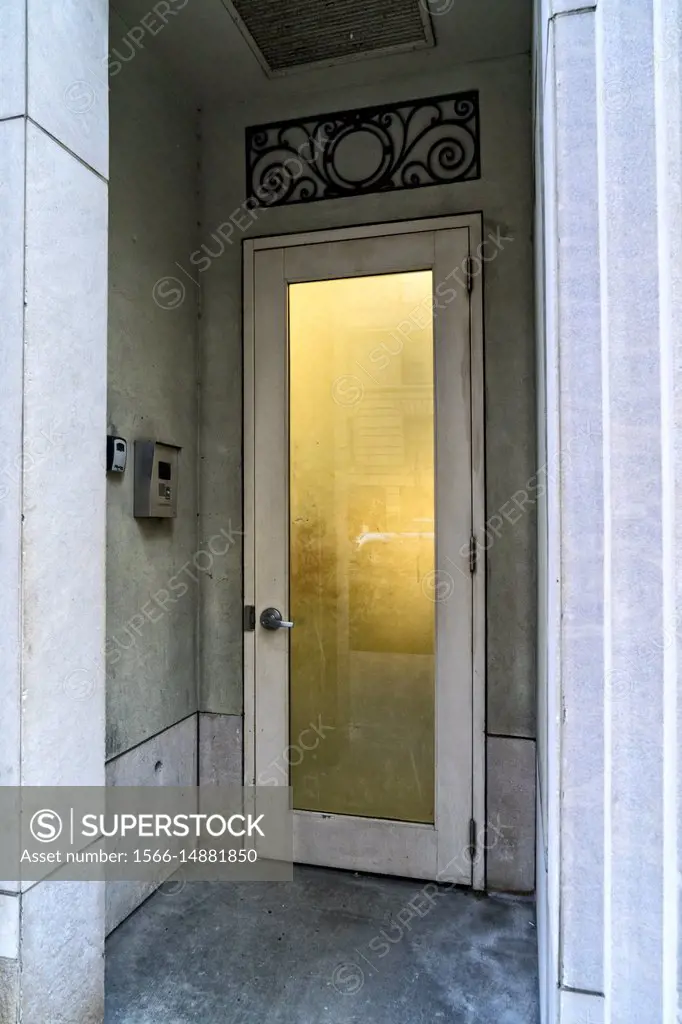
(372, 149)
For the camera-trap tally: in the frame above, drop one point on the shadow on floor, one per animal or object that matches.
(330, 947)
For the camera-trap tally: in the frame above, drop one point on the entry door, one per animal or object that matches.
(360, 513)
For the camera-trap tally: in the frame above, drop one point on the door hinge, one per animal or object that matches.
(473, 839)
(249, 618)
(470, 274)
(473, 554)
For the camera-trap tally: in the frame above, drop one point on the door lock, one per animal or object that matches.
(271, 618)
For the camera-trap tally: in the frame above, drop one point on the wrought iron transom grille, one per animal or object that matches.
(372, 149)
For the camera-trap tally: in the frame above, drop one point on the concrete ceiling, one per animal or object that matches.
(203, 46)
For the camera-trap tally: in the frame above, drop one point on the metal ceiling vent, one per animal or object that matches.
(287, 35)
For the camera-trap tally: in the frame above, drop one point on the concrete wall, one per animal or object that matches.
(153, 393)
(152, 569)
(609, 100)
(504, 196)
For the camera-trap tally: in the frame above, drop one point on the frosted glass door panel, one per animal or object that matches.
(362, 546)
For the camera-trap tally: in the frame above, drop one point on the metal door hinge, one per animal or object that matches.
(473, 839)
(473, 554)
(470, 274)
(249, 618)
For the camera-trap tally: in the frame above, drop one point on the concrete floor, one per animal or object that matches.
(329, 948)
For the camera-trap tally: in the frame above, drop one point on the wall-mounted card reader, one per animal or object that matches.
(156, 480)
(117, 450)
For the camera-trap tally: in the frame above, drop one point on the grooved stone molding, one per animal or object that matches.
(371, 149)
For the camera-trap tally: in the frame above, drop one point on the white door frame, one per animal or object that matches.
(473, 222)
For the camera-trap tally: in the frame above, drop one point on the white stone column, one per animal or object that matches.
(638, 75)
(53, 295)
(610, 133)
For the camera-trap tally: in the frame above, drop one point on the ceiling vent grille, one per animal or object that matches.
(288, 35)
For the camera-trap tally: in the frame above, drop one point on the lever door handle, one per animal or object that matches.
(271, 618)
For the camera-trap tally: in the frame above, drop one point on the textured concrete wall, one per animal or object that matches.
(167, 759)
(9, 990)
(152, 565)
(152, 589)
(221, 745)
(504, 194)
(612, 279)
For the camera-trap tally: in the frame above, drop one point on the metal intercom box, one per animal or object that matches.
(156, 480)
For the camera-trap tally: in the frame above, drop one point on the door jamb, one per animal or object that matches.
(473, 222)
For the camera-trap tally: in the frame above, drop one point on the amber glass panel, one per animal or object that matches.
(362, 546)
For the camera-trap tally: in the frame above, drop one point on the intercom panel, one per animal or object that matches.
(156, 480)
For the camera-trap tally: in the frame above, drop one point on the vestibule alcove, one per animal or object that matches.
(186, 104)
(170, 177)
